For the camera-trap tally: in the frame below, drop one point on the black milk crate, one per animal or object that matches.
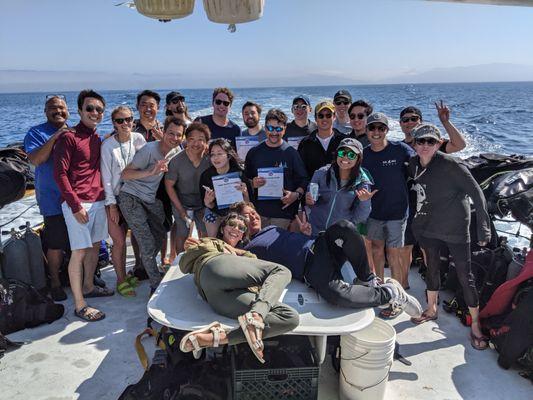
(290, 372)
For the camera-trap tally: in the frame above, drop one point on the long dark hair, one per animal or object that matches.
(225, 144)
(354, 173)
(229, 217)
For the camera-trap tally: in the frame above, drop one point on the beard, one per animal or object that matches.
(251, 123)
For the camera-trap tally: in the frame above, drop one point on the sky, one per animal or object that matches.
(296, 41)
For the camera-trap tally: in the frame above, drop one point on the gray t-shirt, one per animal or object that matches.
(344, 128)
(261, 135)
(145, 188)
(187, 178)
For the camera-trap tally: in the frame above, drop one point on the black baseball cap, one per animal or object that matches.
(173, 96)
(302, 97)
(343, 94)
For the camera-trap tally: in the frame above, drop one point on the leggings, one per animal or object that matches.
(460, 253)
(340, 243)
(226, 281)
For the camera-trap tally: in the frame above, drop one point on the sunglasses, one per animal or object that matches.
(379, 127)
(429, 141)
(322, 116)
(90, 108)
(59, 96)
(271, 128)
(177, 100)
(120, 121)
(219, 102)
(358, 116)
(299, 107)
(414, 118)
(341, 102)
(350, 154)
(234, 224)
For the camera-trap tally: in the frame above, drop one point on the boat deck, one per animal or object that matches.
(72, 359)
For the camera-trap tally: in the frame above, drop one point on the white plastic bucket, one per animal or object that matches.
(366, 358)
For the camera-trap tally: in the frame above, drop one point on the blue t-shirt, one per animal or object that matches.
(46, 190)
(388, 169)
(280, 246)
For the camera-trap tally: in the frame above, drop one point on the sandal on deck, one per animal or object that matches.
(132, 280)
(247, 320)
(126, 290)
(425, 317)
(390, 313)
(89, 314)
(477, 341)
(99, 292)
(213, 327)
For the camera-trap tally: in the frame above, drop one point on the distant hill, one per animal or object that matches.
(29, 81)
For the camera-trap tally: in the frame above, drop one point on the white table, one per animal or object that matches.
(177, 304)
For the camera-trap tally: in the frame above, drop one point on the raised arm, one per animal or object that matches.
(457, 141)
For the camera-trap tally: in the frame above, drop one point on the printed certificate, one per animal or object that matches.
(244, 144)
(273, 188)
(225, 192)
(294, 141)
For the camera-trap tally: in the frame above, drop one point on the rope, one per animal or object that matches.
(11, 220)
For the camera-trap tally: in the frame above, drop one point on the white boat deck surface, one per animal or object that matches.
(72, 359)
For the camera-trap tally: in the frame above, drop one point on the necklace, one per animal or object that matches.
(125, 158)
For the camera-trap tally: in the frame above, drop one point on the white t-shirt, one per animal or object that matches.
(324, 142)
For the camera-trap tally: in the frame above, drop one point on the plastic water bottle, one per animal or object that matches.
(313, 190)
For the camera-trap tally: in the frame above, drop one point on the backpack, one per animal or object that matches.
(22, 306)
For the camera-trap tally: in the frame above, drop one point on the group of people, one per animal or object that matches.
(326, 191)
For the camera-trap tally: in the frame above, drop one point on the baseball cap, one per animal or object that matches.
(343, 94)
(174, 95)
(323, 105)
(426, 131)
(352, 144)
(302, 97)
(377, 117)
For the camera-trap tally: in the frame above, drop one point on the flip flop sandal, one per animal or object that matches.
(425, 317)
(85, 314)
(125, 289)
(132, 280)
(476, 340)
(247, 320)
(99, 292)
(213, 327)
(390, 313)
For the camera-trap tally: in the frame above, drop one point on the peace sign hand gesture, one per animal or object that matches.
(444, 111)
(303, 225)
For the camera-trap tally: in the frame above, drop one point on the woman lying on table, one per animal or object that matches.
(237, 285)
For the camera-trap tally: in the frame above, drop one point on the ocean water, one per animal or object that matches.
(494, 117)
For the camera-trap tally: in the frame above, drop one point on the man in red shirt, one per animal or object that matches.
(77, 174)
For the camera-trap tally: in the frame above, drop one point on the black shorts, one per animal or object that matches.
(55, 234)
(409, 238)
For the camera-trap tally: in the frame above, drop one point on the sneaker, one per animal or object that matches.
(58, 294)
(372, 281)
(401, 300)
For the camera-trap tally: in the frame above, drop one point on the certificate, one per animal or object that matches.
(244, 144)
(225, 192)
(273, 188)
(295, 141)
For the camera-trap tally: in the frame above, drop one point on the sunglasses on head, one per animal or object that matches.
(59, 96)
(120, 121)
(233, 223)
(379, 127)
(271, 128)
(327, 116)
(299, 106)
(358, 116)
(90, 108)
(350, 154)
(219, 102)
(341, 102)
(177, 100)
(428, 141)
(413, 118)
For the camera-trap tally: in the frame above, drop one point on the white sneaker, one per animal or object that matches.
(374, 281)
(401, 300)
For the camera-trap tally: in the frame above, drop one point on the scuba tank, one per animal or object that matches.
(35, 257)
(15, 260)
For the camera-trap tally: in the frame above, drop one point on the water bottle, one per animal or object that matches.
(313, 190)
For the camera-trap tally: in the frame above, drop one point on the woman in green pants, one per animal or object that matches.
(237, 285)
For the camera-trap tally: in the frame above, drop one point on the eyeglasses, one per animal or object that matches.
(120, 121)
(59, 96)
(271, 128)
(234, 224)
(177, 100)
(90, 108)
(379, 127)
(341, 102)
(428, 141)
(219, 102)
(322, 116)
(358, 116)
(413, 118)
(299, 106)
(352, 155)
